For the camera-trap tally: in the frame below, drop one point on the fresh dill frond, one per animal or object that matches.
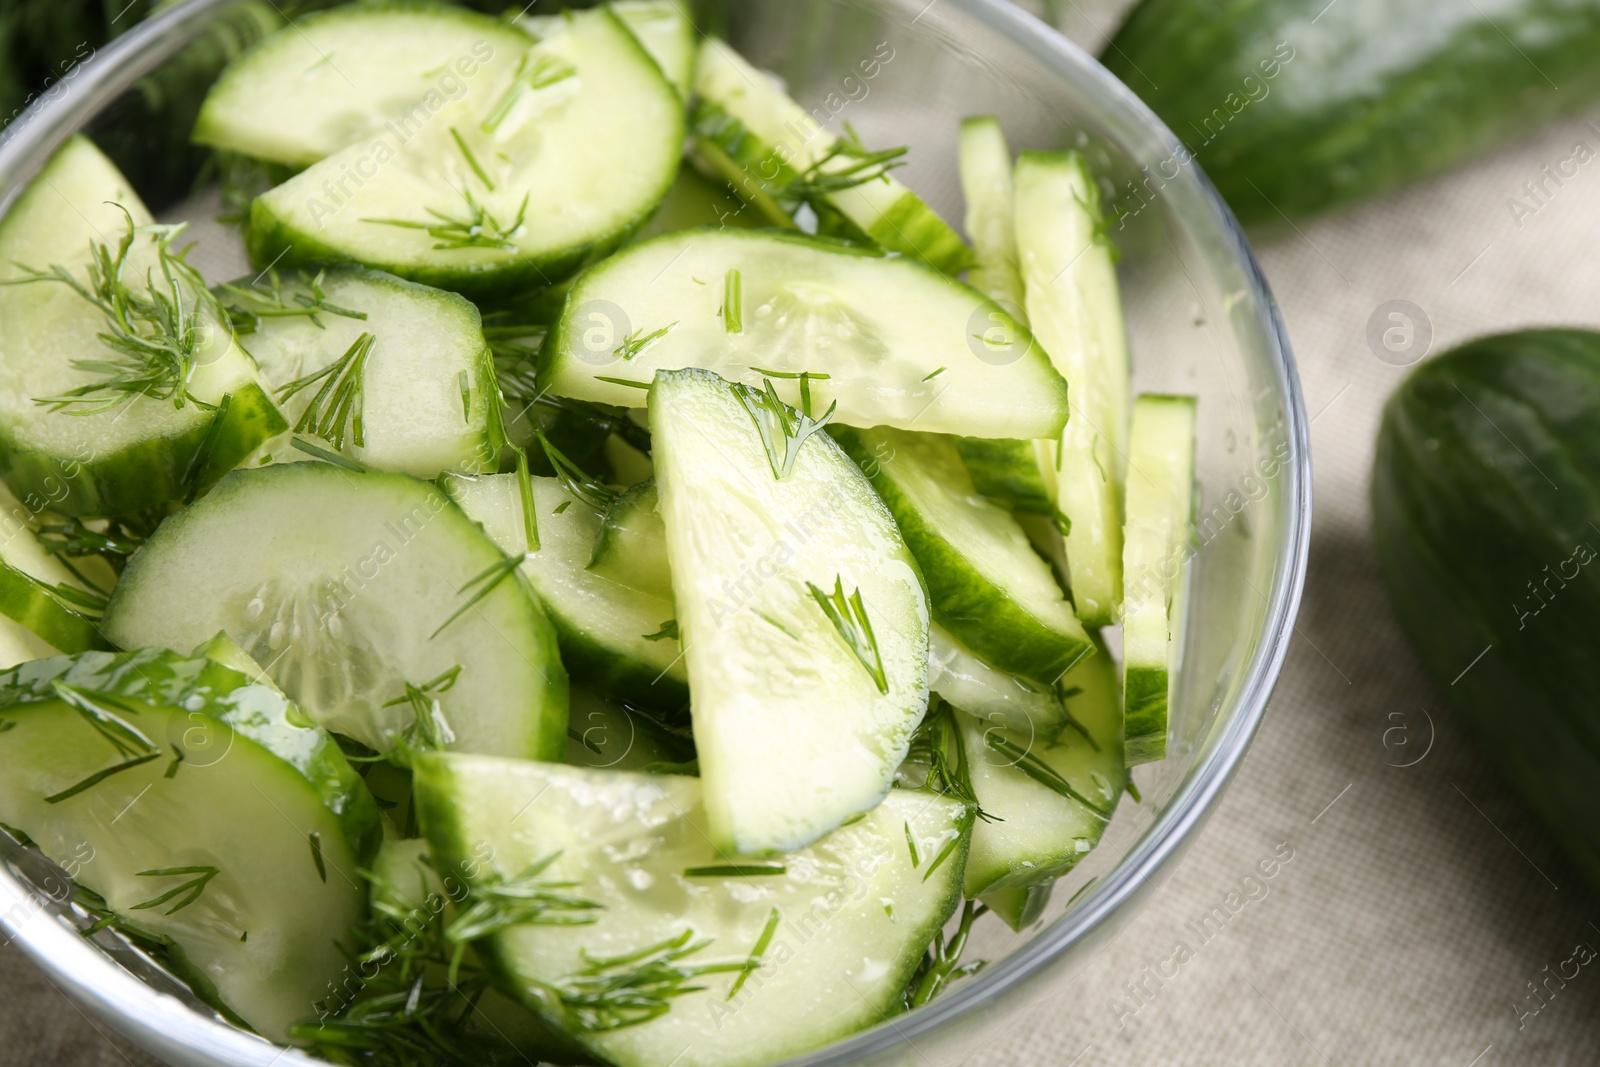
(574, 479)
(942, 963)
(937, 745)
(99, 776)
(846, 165)
(155, 336)
(335, 411)
(530, 513)
(804, 377)
(849, 618)
(497, 903)
(472, 160)
(252, 303)
(107, 713)
(737, 870)
(480, 586)
(733, 302)
(758, 952)
(783, 430)
(189, 891)
(614, 992)
(477, 228)
(637, 342)
(534, 72)
(668, 632)
(623, 381)
(1041, 772)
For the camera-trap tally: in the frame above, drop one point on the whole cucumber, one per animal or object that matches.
(1485, 503)
(1293, 106)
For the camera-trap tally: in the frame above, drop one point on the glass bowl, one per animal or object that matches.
(1200, 321)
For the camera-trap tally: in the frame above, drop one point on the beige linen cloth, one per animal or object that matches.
(1417, 903)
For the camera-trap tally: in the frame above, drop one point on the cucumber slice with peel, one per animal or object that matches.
(803, 617)
(423, 387)
(986, 182)
(615, 639)
(987, 586)
(966, 681)
(749, 132)
(229, 855)
(1074, 309)
(112, 450)
(337, 77)
(39, 591)
(1155, 568)
(553, 159)
(1019, 474)
(1019, 906)
(348, 587)
(229, 690)
(1050, 797)
(632, 546)
(665, 30)
(757, 966)
(904, 356)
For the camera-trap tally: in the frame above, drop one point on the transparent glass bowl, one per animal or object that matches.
(1201, 321)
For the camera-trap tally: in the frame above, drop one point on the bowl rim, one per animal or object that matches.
(163, 1023)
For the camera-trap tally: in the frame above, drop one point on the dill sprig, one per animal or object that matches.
(614, 992)
(1041, 772)
(737, 870)
(189, 891)
(937, 745)
(783, 430)
(575, 480)
(496, 904)
(637, 342)
(252, 303)
(115, 541)
(846, 165)
(478, 228)
(481, 585)
(668, 632)
(804, 377)
(335, 410)
(849, 618)
(534, 72)
(154, 336)
(733, 302)
(429, 730)
(942, 963)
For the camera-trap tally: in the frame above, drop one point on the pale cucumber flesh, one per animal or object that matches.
(922, 351)
(796, 732)
(848, 916)
(343, 586)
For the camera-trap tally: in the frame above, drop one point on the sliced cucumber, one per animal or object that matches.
(1051, 546)
(18, 644)
(905, 355)
(822, 944)
(1050, 797)
(803, 706)
(1070, 279)
(109, 453)
(629, 465)
(337, 77)
(553, 159)
(632, 545)
(966, 681)
(217, 683)
(987, 586)
(665, 30)
(609, 736)
(347, 587)
(987, 184)
(419, 904)
(1020, 906)
(614, 638)
(39, 591)
(228, 853)
(1160, 504)
(1018, 474)
(424, 387)
(748, 131)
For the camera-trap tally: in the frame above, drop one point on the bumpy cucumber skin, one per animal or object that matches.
(256, 710)
(150, 472)
(1006, 470)
(25, 601)
(962, 600)
(1483, 491)
(1296, 118)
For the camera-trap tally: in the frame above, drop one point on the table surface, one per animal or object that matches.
(1419, 901)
